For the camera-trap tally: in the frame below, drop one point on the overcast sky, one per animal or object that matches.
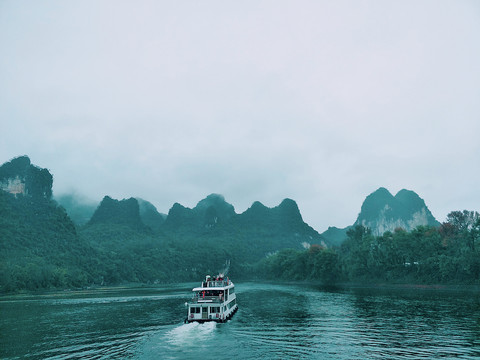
(322, 102)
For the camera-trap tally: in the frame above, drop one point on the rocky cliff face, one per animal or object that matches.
(381, 211)
(20, 177)
(13, 186)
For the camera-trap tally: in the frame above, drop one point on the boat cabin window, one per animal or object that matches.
(214, 309)
(195, 310)
(231, 291)
(204, 293)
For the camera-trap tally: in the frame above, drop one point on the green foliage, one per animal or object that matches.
(449, 254)
(40, 247)
(316, 263)
(124, 212)
(16, 167)
(43, 249)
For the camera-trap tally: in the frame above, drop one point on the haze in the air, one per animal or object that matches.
(318, 101)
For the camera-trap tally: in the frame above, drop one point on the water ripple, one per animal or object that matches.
(274, 321)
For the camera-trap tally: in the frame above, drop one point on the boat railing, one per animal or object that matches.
(216, 283)
(214, 299)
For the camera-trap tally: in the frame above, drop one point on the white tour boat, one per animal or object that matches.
(215, 300)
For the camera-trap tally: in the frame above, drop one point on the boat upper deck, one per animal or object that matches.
(197, 299)
(214, 285)
(216, 291)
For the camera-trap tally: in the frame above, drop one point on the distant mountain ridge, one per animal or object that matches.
(130, 241)
(286, 216)
(206, 214)
(381, 212)
(126, 211)
(213, 221)
(280, 226)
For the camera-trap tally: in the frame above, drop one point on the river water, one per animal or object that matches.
(273, 322)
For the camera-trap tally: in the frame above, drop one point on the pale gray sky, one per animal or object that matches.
(319, 101)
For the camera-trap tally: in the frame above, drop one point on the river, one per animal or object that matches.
(273, 322)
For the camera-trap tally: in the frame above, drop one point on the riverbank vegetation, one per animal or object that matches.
(447, 254)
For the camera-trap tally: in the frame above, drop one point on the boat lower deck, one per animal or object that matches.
(213, 317)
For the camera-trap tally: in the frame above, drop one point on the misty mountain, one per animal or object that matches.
(284, 220)
(190, 240)
(286, 216)
(206, 214)
(119, 212)
(245, 238)
(39, 245)
(336, 236)
(381, 212)
(129, 241)
(20, 177)
(78, 208)
(81, 210)
(214, 212)
(150, 216)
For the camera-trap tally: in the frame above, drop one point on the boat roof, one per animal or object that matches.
(211, 288)
(200, 288)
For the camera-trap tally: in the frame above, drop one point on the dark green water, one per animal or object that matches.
(273, 322)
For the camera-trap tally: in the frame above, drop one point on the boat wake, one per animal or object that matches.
(192, 333)
(181, 342)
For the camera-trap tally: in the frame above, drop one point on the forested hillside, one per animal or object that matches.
(39, 246)
(446, 254)
(128, 241)
(190, 242)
